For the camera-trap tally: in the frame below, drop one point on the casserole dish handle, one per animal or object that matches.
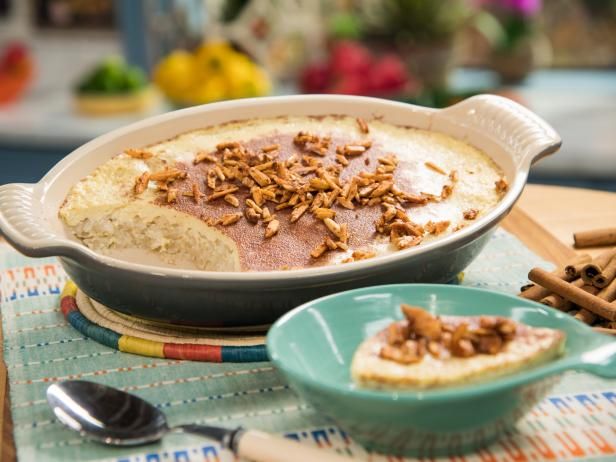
(600, 361)
(23, 224)
(505, 123)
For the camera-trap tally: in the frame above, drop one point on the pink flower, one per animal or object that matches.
(523, 7)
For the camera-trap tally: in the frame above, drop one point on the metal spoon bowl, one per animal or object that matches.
(114, 417)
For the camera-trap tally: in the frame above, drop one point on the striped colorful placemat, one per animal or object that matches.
(138, 336)
(577, 422)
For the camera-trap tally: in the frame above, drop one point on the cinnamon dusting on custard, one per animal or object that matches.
(307, 185)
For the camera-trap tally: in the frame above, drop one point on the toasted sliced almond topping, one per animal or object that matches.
(363, 126)
(332, 226)
(261, 178)
(257, 195)
(167, 175)
(330, 243)
(319, 250)
(346, 203)
(270, 148)
(211, 179)
(265, 166)
(232, 200)
(330, 198)
(407, 241)
(447, 191)
(142, 183)
(294, 200)
(382, 189)
(230, 218)
(389, 159)
(405, 197)
(219, 174)
(363, 254)
(138, 153)
(354, 149)
(366, 191)
(272, 228)
(227, 145)
(197, 194)
(298, 212)
(436, 168)
(389, 213)
(319, 150)
(203, 157)
(253, 205)
(172, 195)
(323, 213)
(342, 160)
(501, 185)
(222, 193)
(251, 215)
(269, 194)
(384, 168)
(342, 245)
(319, 183)
(471, 214)
(436, 227)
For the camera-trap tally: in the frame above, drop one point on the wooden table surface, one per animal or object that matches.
(544, 218)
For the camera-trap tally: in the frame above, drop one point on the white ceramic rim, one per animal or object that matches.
(495, 121)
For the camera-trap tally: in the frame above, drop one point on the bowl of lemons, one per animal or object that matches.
(215, 71)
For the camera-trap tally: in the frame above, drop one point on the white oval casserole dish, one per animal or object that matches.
(510, 134)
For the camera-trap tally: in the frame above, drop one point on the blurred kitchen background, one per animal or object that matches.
(71, 70)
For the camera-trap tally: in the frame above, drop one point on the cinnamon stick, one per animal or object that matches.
(526, 287)
(608, 293)
(574, 270)
(578, 296)
(587, 317)
(560, 303)
(596, 266)
(537, 292)
(605, 330)
(595, 237)
(606, 275)
(557, 302)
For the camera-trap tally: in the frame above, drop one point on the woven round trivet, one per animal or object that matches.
(145, 338)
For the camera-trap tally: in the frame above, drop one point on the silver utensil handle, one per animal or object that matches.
(263, 447)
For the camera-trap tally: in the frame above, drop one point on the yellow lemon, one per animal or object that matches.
(245, 78)
(212, 56)
(262, 83)
(174, 75)
(211, 89)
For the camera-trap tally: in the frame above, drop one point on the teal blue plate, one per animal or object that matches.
(313, 346)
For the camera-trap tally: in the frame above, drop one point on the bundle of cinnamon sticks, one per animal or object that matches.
(585, 288)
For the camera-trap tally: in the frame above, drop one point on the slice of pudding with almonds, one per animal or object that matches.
(425, 351)
(282, 193)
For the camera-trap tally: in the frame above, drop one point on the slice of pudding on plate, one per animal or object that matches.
(425, 351)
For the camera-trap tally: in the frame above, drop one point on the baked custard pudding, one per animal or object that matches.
(282, 193)
(425, 351)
